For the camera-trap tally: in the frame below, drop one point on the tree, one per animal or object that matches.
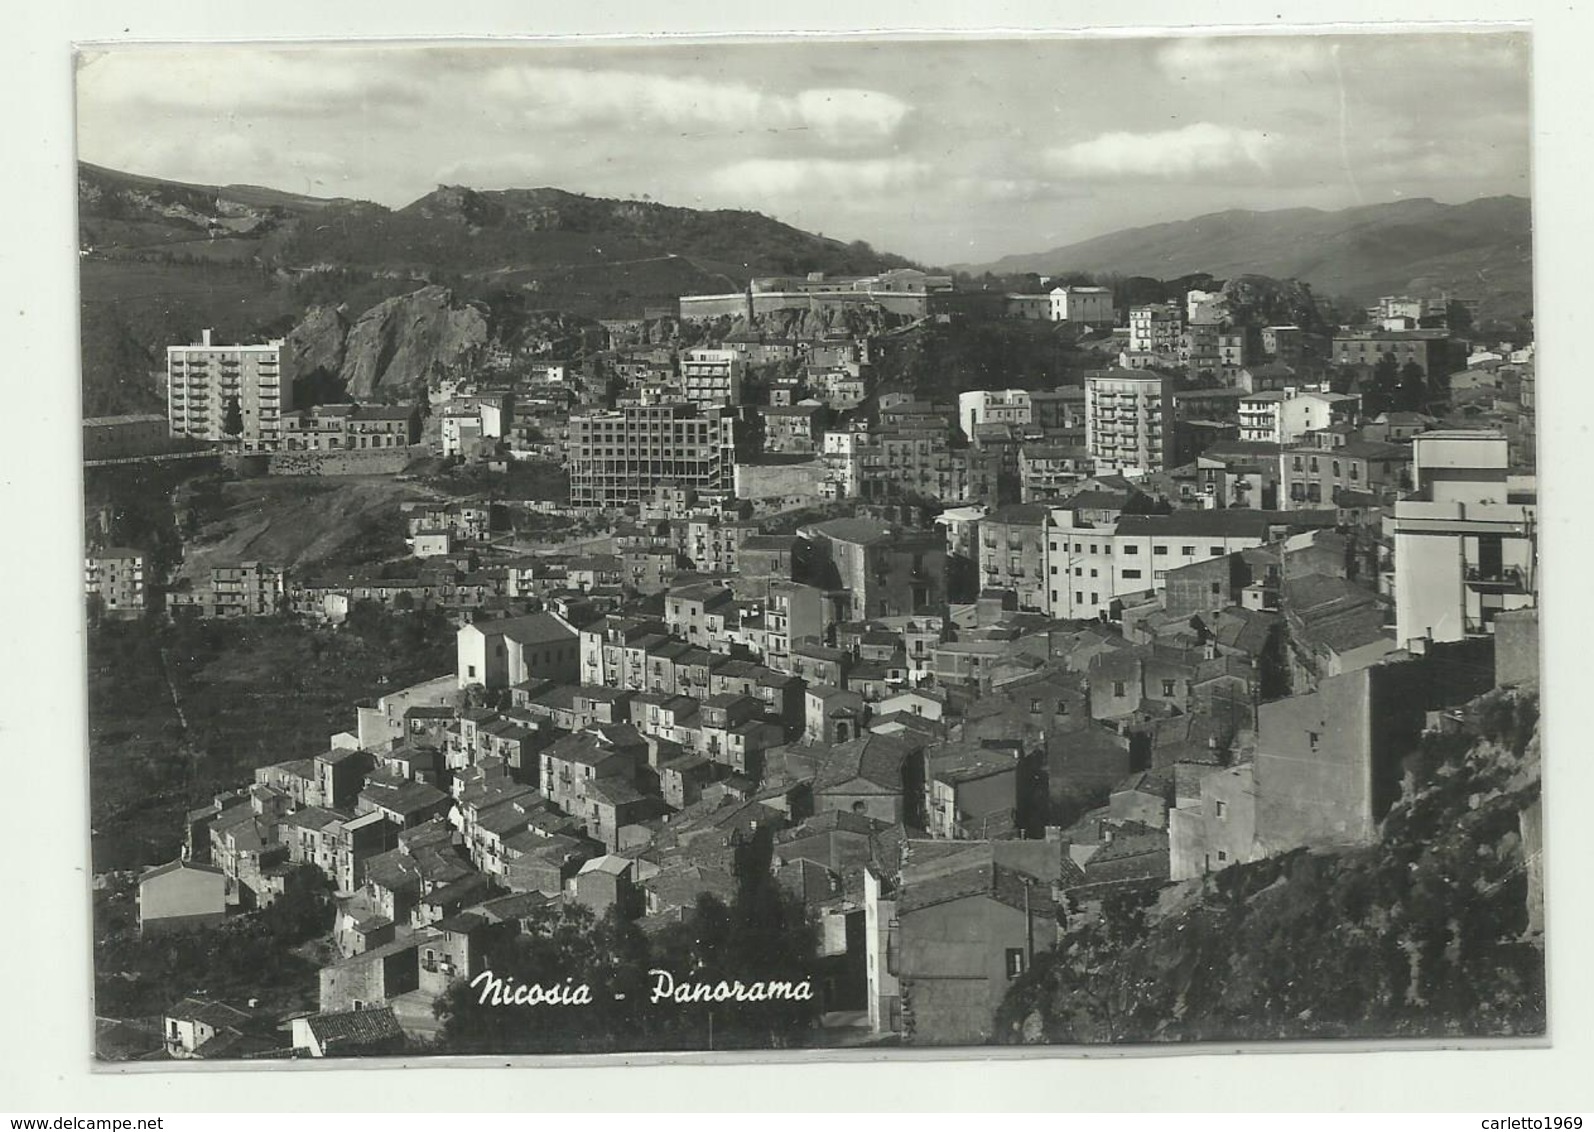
(1413, 389)
(232, 421)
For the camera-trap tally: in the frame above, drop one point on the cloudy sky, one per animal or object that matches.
(946, 151)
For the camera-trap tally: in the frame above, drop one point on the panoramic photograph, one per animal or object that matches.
(818, 543)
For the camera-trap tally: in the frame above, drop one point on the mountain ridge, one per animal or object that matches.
(1480, 248)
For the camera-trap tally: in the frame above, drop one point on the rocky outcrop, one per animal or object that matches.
(403, 342)
(316, 343)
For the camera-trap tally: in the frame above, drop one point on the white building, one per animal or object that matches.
(1154, 329)
(206, 382)
(993, 406)
(1089, 305)
(1466, 543)
(1285, 416)
(1204, 306)
(712, 377)
(843, 460)
(1090, 564)
(1128, 420)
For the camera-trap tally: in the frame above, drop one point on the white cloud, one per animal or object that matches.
(582, 96)
(1199, 148)
(787, 177)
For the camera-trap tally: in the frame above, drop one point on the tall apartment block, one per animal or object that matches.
(712, 377)
(204, 379)
(624, 456)
(1466, 541)
(1128, 420)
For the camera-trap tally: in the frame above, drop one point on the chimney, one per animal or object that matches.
(204, 336)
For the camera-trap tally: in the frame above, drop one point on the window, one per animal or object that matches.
(1217, 589)
(1214, 551)
(1079, 571)
(1054, 571)
(1015, 962)
(1222, 856)
(1220, 807)
(1093, 572)
(1079, 598)
(1167, 687)
(1131, 549)
(1118, 689)
(1094, 600)
(1187, 551)
(1131, 573)
(1160, 550)
(470, 670)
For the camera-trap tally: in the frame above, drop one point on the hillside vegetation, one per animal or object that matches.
(162, 260)
(1426, 934)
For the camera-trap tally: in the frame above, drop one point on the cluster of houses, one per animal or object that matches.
(1067, 643)
(1134, 698)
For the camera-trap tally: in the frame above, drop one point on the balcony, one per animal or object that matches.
(1507, 579)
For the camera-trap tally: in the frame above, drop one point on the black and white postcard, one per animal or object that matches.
(810, 544)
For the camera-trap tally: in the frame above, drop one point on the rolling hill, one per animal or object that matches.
(163, 259)
(1481, 249)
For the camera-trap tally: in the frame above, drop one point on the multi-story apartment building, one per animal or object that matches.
(1046, 471)
(212, 390)
(905, 461)
(1055, 410)
(792, 428)
(712, 377)
(1284, 416)
(1154, 329)
(888, 572)
(714, 545)
(1012, 546)
(1128, 420)
(992, 406)
(113, 577)
(624, 456)
(1198, 348)
(1089, 305)
(1429, 349)
(1088, 564)
(795, 613)
(1466, 542)
(1311, 476)
(249, 589)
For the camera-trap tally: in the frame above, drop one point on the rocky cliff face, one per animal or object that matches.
(316, 344)
(397, 344)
